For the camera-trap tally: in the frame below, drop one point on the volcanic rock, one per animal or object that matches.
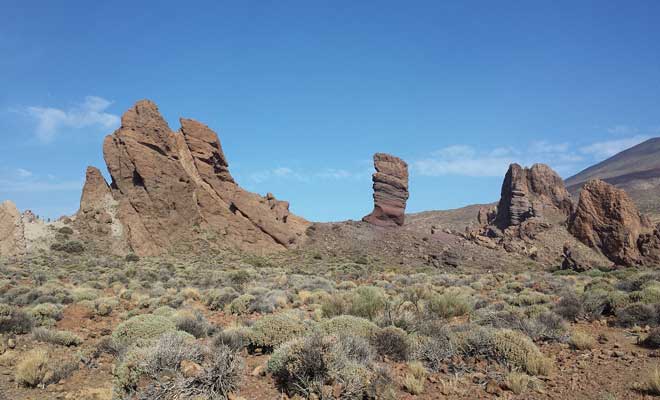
(390, 184)
(171, 190)
(531, 192)
(607, 219)
(12, 239)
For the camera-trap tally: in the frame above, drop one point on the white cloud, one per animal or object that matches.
(90, 113)
(308, 175)
(23, 173)
(15, 180)
(622, 130)
(609, 148)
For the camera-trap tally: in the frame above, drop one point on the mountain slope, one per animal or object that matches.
(636, 170)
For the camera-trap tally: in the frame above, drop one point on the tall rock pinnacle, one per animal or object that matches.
(390, 191)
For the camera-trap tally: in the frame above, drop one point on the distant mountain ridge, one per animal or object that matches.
(636, 170)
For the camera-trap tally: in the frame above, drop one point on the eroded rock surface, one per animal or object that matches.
(172, 189)
(607, 219)
(531, 192)
(390, 191)
(12, 239)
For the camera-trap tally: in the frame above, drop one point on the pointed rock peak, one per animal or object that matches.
(95, 190)
(9, 207)
(144, 115)
(526, 192)
(390, 191)
(206, 150)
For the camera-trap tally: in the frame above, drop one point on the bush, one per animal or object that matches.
(518, 382)
(62, 338)
(651, 384)
(217, 299)
(236, 337)
(65, 230)
(637, 314)
(517, 350)
(305, 365)
(447, 306)
(652, 340)
(350, 326)
(14, 320)
(46, 313)
(32, 369)
(367, 302)
(581, 341)
(241, 304)
(193, 323)
(413, 381)
(72, 247)
(569, 307)
(220, 377)
(392, 342)
(141, 330)
(275, 329)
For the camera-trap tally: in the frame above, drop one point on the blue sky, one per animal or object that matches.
(302, 93)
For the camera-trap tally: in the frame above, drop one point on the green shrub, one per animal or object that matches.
(46, 314)
(349, 325)
(392, 342)
(241, 304)
(141, 330)
(217, 299)
(517, 350)
(275, 329)
(447, 306)
(234, 337)
(32, 369)
(14, 320)
(367, 302)
(62, 338)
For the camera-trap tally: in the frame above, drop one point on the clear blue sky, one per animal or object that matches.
(302, 93)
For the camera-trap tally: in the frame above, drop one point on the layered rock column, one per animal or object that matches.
(390, 184)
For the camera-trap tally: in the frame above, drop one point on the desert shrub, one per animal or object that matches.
(649, 294)
(517, 350)
(519, 383)
(637, 314)
(305, 365)
(241, 304)
(193, 323)
(528, 297)
(333, 306)
(413, 381)
(268, 301)
(35, 369)
(602, 300)
(432, 351)
(141, 330)
(367, 302)
(651, 383)
(131, 257)
(546, 325)
(392, 342)
(32, 369)
(234, 337)
(46, 313)
(84, 293)
(349, 325)
(581, 341)
(275, 329)
(652, 340)
(105, 305)
(14, 320)
(71, 246)
(217, 299)
(220, 377)
(569, 307)
(447, 306)
(62, 338)
(65, 230)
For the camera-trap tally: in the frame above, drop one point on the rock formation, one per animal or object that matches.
(531, 192)
(607, 219)
(390, 191)
(172, 189)
(12, 239)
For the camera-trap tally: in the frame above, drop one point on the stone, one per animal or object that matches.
(531, 192)
(607, 219)
(12, 230)
(574, 260)
(172, 191)
(390, 185)
(190, 369)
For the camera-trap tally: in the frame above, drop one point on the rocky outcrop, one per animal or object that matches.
(531, 192)
(607, 219)
(390, 184)
(12, 239)
(173, 189)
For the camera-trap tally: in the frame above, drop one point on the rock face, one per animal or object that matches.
(390, 191)
(607, 219)
(171, 189)
(12, 239)
(531, 192)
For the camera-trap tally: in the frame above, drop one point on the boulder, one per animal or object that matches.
(390, 184)
(607, 219)
(12, 235)
(531, 192)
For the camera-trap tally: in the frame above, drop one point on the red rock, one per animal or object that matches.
(12, 234)
(390, 184)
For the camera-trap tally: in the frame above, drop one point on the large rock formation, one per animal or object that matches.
(12, 237)
(390, 191)
(531, 192)
(607, 219)
(172, 189)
